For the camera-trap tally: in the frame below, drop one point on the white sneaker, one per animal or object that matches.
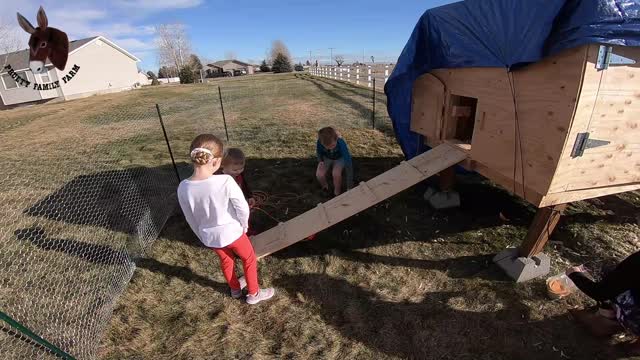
(263, 294)
(237, 294)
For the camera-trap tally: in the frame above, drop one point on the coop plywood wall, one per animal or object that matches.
(546, 95)
(609, 109)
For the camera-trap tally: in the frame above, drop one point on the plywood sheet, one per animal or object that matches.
(609, 109)
(427, 109)
(577, 195)
(545, 99)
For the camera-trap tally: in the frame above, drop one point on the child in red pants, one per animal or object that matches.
(216, 210)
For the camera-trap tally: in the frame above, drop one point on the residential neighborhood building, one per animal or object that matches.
(229, 67)
(101, 67)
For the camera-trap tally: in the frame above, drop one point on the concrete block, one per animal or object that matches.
(522, 268)
(429, 193)
(445, 200)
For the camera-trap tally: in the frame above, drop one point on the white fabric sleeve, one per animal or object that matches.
(239, 202)
(186, 211)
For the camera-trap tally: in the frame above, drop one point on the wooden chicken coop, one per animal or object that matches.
(564, 129)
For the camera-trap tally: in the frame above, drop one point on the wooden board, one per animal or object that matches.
(577, 195)
(358, 199)
(608, 109)
(426, 116)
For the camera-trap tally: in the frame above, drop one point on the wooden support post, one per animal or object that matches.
(541, 228)
(447, 179)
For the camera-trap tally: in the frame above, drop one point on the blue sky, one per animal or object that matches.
(216, 28)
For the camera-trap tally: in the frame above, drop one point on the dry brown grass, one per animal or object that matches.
(397, 281)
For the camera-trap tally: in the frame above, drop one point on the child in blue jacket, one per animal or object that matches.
(333, 155)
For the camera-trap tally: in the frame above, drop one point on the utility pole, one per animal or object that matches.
(331, 61)
(309, 56)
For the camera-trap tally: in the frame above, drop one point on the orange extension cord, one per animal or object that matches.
(265, 200)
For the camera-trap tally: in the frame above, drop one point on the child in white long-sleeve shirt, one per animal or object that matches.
(218, 213)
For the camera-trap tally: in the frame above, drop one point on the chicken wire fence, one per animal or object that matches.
(82, 198)
(339, 103)
(79, 202)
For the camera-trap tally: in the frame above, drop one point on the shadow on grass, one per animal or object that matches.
(180, 272)
(619, 211)
(476, 266)
(363, 110)
(106, 255)
(365, 107)
(407, 217)
(138, 202)
(435, 329)
(130, 201)
(93, 253)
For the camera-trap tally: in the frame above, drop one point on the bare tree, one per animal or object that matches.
(10, 40)
(174, 46)
(230, 55)
(278, 47)
(339, 59)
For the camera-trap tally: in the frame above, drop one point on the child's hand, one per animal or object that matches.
(252, 202)
(574, 269)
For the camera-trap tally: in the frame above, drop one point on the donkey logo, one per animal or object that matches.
(45, 43)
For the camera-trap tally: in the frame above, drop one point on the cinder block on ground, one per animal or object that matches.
(444, 200)
(522, 268)
(429, 193)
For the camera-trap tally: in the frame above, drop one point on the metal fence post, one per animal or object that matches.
(369, 73)
(224, 118)
(166, 138)
(386, 73)
(373, 113)
(358, 75)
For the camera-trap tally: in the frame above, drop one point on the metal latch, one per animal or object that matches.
(583, 143)
(606, 57)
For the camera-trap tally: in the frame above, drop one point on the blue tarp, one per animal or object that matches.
(500, 33)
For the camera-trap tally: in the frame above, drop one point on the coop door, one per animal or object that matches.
(428, 107)
(605, 134)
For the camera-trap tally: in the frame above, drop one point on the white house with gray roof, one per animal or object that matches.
(95, 66)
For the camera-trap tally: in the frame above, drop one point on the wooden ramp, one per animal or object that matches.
(362, 197)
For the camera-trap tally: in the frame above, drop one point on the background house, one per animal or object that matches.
(231, 67)
(104, 67)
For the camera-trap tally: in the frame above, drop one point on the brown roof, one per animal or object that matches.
(221, 63)
(19, 60)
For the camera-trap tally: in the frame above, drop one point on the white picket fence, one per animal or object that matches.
(363, 75)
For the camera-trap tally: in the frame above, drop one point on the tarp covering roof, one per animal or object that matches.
(500, 33)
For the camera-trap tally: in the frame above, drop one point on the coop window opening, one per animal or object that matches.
(461, 118)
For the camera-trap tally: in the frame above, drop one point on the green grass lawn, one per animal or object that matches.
(396, 281)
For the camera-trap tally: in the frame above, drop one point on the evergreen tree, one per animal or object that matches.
(281, 64)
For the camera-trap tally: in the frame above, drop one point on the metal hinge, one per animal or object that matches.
(606, 57)
(583, 143)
